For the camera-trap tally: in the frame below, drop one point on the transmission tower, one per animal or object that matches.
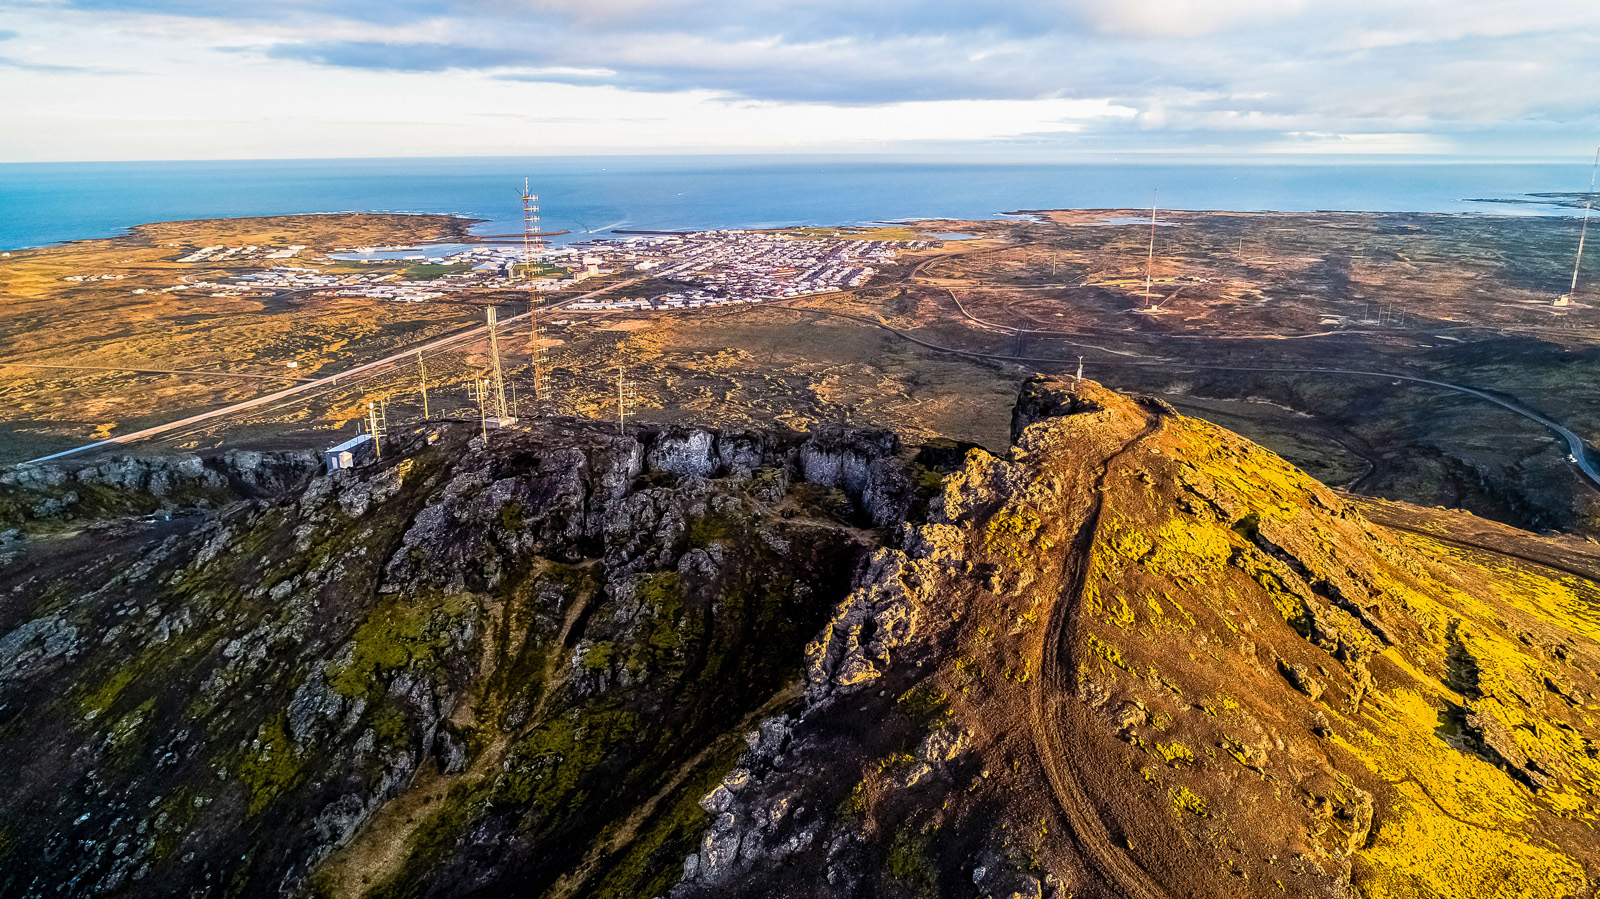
(495, 405)
(627, 398)
(532, 251)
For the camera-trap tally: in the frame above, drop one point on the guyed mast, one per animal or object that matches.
(1150, 259)
(1583, 233)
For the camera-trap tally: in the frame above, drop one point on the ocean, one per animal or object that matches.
(43, 203)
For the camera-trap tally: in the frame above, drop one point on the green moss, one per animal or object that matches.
(822, 502)
(100, 700)
(712, 527)
(390, 727)
(669, 629)
(653, 861)
(926, 706)
(910, 863)
(401, 632)
(434, 839)
(175, 815)
(552, 767)
(598, 656)
(510, 517)
(272, 768)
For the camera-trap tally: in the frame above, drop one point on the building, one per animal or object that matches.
(347, 454)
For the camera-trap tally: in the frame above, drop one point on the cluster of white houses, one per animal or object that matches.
(722, 267)
(702, 268)
(221, 253)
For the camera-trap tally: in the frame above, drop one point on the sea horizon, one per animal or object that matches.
(48, 203)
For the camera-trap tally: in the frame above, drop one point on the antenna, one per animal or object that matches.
(1150, 260)
(532, 247)
(1588, 205)
(1080, 368)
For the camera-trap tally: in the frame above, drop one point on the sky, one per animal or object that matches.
(993, 79)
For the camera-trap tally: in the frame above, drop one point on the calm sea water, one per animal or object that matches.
(43, 203)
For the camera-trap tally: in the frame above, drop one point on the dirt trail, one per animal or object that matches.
(1054, 708)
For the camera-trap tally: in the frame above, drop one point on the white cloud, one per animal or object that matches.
(175, 78)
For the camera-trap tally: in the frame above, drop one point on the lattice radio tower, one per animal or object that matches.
(532, 251)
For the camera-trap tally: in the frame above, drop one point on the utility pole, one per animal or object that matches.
(626, 397)
(1588, 205)
(497, 383)
(483, 410)
(375, 427)
(422, 385)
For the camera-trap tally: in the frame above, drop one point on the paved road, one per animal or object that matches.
(161, 371)
(366, 369)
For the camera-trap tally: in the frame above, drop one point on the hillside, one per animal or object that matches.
(1137, 656)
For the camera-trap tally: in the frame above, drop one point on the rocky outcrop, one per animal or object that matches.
(124, 485)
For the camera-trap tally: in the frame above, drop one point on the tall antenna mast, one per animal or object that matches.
(532, 247)
(1583, 233)
(1150, 260)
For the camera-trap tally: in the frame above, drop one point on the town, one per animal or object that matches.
(694, 269)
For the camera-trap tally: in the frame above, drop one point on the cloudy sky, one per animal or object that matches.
(1059, 79)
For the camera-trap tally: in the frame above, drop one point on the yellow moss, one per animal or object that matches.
(1012, 534)
(1105, 651)
(1188, 546)
(1401, 744)
(1175, 753)
(1421, 854)
(1187, 800)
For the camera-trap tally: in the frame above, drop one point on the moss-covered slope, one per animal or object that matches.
(511, 667)
(1143, 657)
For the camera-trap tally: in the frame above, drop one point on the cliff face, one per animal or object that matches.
(1137, 656)
(464, 666)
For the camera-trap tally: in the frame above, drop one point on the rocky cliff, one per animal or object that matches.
(1137, 656)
